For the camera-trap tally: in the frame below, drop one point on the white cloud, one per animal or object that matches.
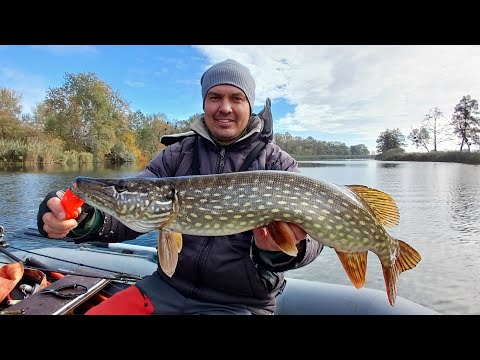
(32, 88)
(358, 91)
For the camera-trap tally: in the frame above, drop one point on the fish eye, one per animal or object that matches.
(121, 186)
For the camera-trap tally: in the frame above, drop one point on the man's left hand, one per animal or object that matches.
(264, 240)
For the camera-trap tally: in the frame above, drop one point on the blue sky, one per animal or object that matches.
(346, 93)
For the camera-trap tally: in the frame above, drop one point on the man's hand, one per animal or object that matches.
(55, 224)
(264, 240)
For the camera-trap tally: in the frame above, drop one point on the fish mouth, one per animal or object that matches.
(94, 192)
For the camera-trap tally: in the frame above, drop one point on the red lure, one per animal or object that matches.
(71, 203)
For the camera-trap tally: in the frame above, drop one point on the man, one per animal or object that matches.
(236, 274)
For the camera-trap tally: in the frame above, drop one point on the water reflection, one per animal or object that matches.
(313, 164)
(387, 165)
(463, 201)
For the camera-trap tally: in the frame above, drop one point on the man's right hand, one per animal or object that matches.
(53, 217)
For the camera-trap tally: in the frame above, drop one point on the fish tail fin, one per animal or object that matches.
(169, 246)
(355, 265)
(407, 259)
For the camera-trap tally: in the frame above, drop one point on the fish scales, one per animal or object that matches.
(348, 218)
(225, 205)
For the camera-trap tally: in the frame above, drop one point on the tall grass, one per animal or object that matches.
(39, 152)
(472, 158)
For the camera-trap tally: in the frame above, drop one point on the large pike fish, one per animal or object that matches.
(351, 219)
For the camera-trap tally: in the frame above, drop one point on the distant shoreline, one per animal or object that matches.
(471, 158)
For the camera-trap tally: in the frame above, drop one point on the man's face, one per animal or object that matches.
(227, 112)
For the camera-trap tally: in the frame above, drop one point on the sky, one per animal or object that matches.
(345, 93)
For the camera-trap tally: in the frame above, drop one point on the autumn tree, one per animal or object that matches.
(185, 125)
(10, 111)
(390, 139)
(465, 124)
(87, 114)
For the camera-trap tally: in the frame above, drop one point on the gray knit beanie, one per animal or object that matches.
(229, 72)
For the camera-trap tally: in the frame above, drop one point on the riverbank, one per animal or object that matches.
(472, 158)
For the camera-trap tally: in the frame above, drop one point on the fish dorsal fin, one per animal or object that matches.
(355, 265)
(382, 205)
(283, 236)
(169, 246)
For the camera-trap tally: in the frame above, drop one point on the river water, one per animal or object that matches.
(439, 206)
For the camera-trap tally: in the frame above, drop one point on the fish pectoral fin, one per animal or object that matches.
(382, 205)
(283, 236)
(355, 265)
(169, 246)
(407, 259)
(177, 239)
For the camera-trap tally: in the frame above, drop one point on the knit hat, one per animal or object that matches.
(229, 72)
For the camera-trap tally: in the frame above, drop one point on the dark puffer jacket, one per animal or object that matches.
(223, 269)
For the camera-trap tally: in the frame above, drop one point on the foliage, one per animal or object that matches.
(36, 151)
(434, 123)
(420, 137)
(86, 114)
(465, 124)
(360, 149)
(185, 125)
(310, 146)
(10, 110)
(390, 139)
(391, 154)
(433, 156)
(149, 132)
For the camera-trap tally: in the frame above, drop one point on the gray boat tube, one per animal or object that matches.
(300, 297)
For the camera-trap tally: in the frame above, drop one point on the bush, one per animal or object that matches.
(391, 154)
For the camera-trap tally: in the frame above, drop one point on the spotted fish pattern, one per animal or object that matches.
(348, 218)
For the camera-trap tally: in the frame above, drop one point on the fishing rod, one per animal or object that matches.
(119, 276)
(3, 245)
(32, 263)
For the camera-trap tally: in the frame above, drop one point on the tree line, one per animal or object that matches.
(464, 126)
(86, 120)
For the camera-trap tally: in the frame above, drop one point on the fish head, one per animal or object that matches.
(142, 204)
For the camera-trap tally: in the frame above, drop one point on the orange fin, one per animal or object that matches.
(169, 246)
(283, 236)
(355, 265)
(382, 205)
(408, 258)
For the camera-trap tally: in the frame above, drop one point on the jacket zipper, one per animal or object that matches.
(221, 164)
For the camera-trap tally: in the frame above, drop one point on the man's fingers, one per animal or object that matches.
(260, 233)
(55, 205)
(300, 234)
(53, 224)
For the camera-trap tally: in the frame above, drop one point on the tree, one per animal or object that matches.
(436, 129)
(359, 149)
(10, 110)
(86, 114)
(465, 124)
(420, 137)
(390, 139)
(185, 125)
